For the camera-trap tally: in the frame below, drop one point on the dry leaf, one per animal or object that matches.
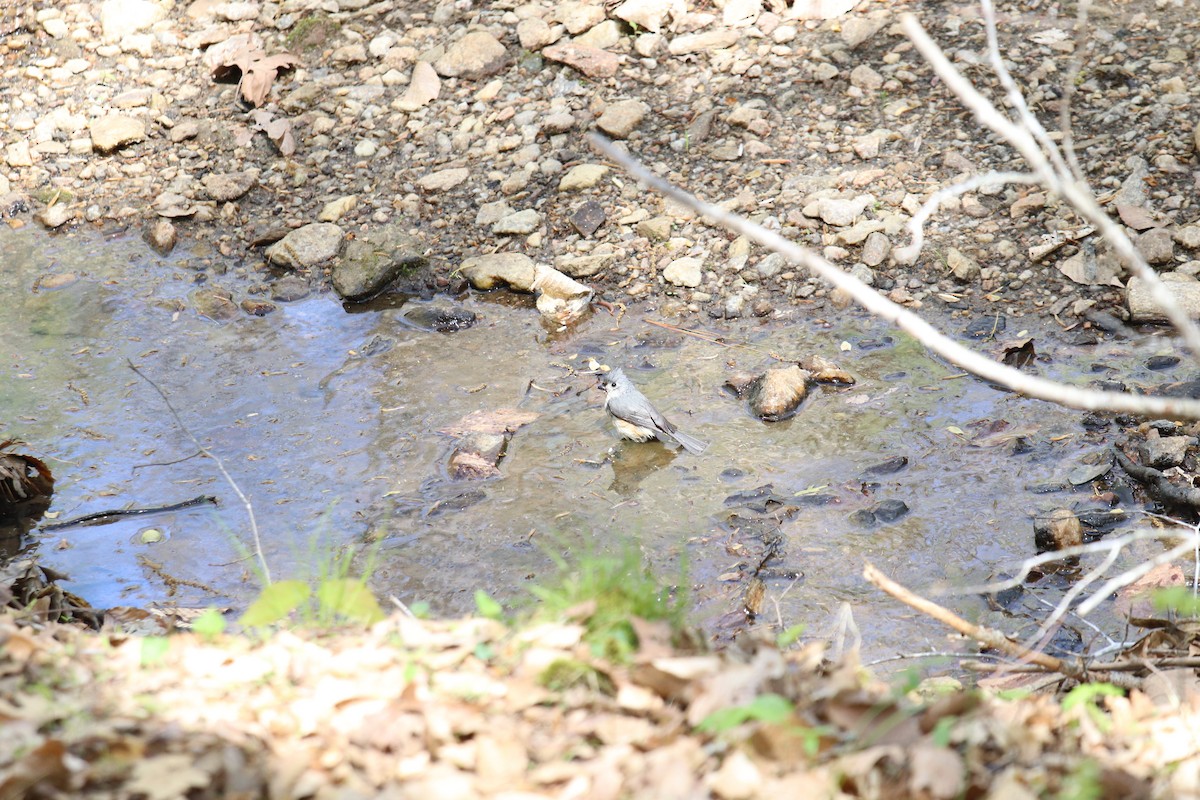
(243, 58)
(1137, 217)
(935, 772)
(277, 128)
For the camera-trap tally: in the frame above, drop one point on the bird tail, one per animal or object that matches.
(690, 443)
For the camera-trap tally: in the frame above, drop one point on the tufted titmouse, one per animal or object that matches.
(635, 418)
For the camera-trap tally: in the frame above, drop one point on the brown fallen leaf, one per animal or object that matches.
(245, 60)
(1137, 217)
(277, 128)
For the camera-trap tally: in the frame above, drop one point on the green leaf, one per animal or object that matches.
(487, 606)
(275, 603)
(1087, 693)
(789, 637)
(350, 599)
(1179, 599)
(154, 649)
(420, 609)
(210, 624)
(942, 729)
(764, 708)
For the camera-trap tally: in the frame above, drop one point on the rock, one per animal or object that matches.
(491, 213)
(534, 33)
(558, 122)
(115, 130)
(740, 13)
(771, 265)
(257, 308)
(738, 254)
(588, 218)
(442, 319)
(169, 204)
(1156, 246)
(184, 130)
(656, 229)
(13, 203)
(560, 297)
(823, 370)
(842, 213)
(374, 260)
(868, 145)
(619, 119)
(224, 187)
(1188, 236)
(699, 42)
(1034, 201)
(510, 269)
(652, 14)
(889, 510)
(777, 393)
(443, 180)
(55, 216)
(475, 56)
(215, 304)
(18, 154)
(584, 266)
(859, 231)
(423, 88)
(477, 456)
(336, 209)
(965, 268)
(858, 29)
(1133, 190)
(161, 236)
(1057, 530)
(685, 271)
(308, 246)
(866, 78)
(119, 18)
(1164, 452)
(520, 223)
(582, 176)
(290, 288)
(876, 249)
(591, 61)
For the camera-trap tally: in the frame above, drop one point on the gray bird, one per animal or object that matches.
(635, 418)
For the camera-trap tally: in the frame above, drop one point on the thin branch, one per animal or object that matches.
(1074, 192)
(987, 636)
(220, 466)
(868, 298)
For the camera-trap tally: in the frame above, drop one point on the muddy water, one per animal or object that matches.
(329, 421)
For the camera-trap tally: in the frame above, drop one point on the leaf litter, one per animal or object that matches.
(462, 709)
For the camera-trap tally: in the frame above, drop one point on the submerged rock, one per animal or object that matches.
(443, 319)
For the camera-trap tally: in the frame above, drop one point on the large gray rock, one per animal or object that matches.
(373, 261)
(307, 247)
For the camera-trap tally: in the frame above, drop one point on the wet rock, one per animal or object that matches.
(862, 518)
(777, 393)
(114, 131)
(307, 246)
(890, 510)
(1161, 362)
(509, 269)
(685, 271)
(224, 187)
(1164, 452)
(823, 370)
(560, 297)
(1156, 246)
(1057, 530)
(55, 216)
(442, 319)
(13, 203)
(1143, 308)
(478, 456)
(620, 119)
(475, 56)
(520, 223)
(214, 303)
(290, 288)
(257, 308)
(591, 61)
(588, 218)
(888, 467)
(161, 236)
(443, 180)
(582, 176)
(964, 268)
(336, 209)
(986, 327)
(374, 260)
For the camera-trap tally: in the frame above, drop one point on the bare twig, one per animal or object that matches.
(868, 298)
(916, 225)
(987, 636)
(262, 560)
